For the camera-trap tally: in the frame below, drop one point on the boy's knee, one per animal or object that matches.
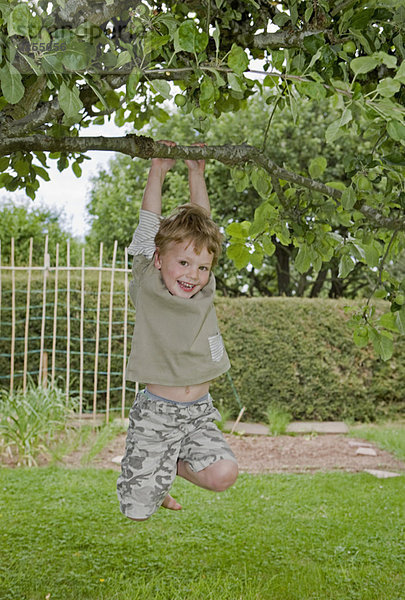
(226, 475)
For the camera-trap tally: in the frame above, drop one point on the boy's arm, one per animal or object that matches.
(196, 180)
(152, 196)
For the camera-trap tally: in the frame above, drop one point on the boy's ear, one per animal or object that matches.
(157, 261)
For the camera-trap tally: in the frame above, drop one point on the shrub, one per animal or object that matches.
(29, 421)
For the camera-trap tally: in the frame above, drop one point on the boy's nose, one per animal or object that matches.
(193, 273)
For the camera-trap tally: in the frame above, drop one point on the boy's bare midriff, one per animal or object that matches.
(188, 393)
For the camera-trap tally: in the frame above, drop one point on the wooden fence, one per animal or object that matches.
(38, 315)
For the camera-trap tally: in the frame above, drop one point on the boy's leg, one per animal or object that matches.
(150, 462)
(205, 457)
(217, 477)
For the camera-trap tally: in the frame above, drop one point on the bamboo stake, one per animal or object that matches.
(100, 274)
(242, 410)
(45, 370)
(67, 320)
(0, 285)
(27, 316)
(110, 315)
(81, 339)
(124, 359)
(12, 318)
(45, 276)
(55, 317)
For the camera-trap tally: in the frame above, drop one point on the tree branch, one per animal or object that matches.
(145, 147)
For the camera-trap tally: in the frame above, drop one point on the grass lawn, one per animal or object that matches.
(336, 536)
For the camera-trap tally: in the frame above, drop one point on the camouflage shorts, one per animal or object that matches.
(160, 433)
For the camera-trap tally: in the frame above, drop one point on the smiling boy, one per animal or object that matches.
(176, 351)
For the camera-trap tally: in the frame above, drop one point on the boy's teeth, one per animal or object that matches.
(187, 285)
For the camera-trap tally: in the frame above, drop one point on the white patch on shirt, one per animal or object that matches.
(216, 346)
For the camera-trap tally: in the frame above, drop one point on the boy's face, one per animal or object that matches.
(184, 272)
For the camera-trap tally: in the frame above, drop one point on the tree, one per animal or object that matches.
(22, 222)
(117, 193)
(66, 64)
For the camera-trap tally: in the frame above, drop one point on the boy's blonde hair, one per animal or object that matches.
(190, 222)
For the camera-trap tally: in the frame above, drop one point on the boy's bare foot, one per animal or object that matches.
(171, 503)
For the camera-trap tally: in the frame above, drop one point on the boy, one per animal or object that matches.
(176, 351)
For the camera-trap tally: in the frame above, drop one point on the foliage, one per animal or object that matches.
(30, 420)
(23, 221)
(296, 352)
(277, 418)
(304, 537)
(67, 65)
(118, 191)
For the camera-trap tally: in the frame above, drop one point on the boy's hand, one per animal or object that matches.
(164, 164)
(196, 165)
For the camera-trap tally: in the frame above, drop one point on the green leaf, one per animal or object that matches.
(69, 100)
(240, 179)
(238, 230)
(18, 23)
(334, 129)
(237, 59)
(268, 245)
(133, 80)
(396, 131)
(235, 82)
(388, 87)
(207, 94)
(4, 162)
(360, 336)
(257, 257)
(382, 343)
(400, 316)
(77, 56)
(346, 265)
(349, 198)
(261, 182)
(239, 254)
(303, 259)
(162, 87)
(123, 59)
(189, 39)
(389, 321)
(400, 76)
(153, 42)
(317, 166)
(11, 85)
(312, 89)
(76, 168)
(42, 173)
(364, 64)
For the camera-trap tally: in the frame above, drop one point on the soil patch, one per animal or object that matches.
(286, 454)
(256, 454)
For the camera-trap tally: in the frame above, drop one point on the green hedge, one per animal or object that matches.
(293, 351)
(299, 353)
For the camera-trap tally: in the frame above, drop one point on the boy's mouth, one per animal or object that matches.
(187, 287)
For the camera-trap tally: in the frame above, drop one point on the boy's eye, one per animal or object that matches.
(183, 263)
(202, 268)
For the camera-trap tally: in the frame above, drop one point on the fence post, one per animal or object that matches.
(100, 274)
(110, 315)
(45, 277)
(81, 338)
(27, 316)
(67, 319)
(55, 317)
(12, 317)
